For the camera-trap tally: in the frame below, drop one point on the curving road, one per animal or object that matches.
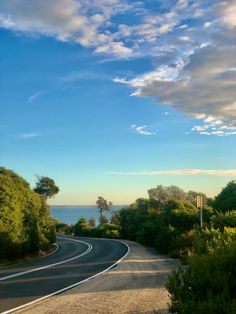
(74, 262)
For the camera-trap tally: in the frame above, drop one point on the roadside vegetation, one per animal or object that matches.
(25, 223)
(169, 221)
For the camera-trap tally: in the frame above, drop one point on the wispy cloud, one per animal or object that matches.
(192, 44)
(29, 135)
(85, 75)
(35, 96)
(181, 172)
(141, 130)
(84, 22)
(212, 126)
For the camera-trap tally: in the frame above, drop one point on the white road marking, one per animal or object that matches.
(75, 284)
(40, 257)
(51, 265)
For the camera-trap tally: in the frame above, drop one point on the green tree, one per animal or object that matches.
(81, 228)
(92, 222)
(46, 187)
(142, 203)
(103, 205)
(163, 194)
(25, 223)
(226, 199)
(191, 196)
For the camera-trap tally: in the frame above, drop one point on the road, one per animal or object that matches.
(72, 263)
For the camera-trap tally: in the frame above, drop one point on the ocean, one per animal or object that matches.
(71, 214)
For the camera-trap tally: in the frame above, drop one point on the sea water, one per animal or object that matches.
(71, 214)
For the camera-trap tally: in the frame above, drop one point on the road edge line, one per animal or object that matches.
(75, 284)
(53, 264)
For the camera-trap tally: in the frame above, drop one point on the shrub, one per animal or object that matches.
(206, 285)
(25, 223)
(222, 220)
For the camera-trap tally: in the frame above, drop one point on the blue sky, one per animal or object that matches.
(112, 97)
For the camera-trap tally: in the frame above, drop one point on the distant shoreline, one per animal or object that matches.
(71, 206)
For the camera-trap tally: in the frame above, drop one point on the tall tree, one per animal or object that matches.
(25, 223)
(46, 187)
(103, 205)
(162, 194)
(226, 200)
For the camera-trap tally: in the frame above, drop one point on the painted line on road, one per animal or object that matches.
(54, 264)
(43, 256)
(75, 284)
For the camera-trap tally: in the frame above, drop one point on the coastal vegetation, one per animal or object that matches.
(103, 205)
(46, 187)
(25, 224)
(169, 221)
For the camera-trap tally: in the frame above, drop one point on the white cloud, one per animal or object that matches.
(183, 38)
(84, 22)
(141, 130)
(90, 23)
(29, 135)
(203, 86)
(187, 172)
(212, 126)
(33, 97)
(194, 66)
(227, 11)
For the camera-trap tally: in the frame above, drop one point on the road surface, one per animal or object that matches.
(72, 263)
(135, 286)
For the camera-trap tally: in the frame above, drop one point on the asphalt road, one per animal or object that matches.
(19, 285)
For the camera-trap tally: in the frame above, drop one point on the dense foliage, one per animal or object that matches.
(25, 224)
(46, 187)
(207, 285)
(169, 221)
(226, 200)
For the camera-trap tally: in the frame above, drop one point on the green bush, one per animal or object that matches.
(226, 200)
(222, 220)
(207, 285)
(25, 223)
(109, 231)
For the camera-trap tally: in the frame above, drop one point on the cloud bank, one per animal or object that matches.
(181, 172)
(191, 44)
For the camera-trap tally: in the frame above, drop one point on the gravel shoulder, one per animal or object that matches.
(134, 286)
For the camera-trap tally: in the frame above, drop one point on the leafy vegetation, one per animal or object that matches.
(226, 200)
(103, 205)
(46, 187)
(25, 223)
(169, 221)
(206, 285)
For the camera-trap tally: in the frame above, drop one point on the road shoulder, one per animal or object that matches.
(136, 285)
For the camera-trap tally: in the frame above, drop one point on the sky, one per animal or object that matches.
(114, 97)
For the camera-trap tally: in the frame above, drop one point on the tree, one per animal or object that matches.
(103, 205)
(162, 194)
(226, 200)
(46, 187)
(81, 228)
(92, 222)
(25, 223)
(191, 196)
(142, 203)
